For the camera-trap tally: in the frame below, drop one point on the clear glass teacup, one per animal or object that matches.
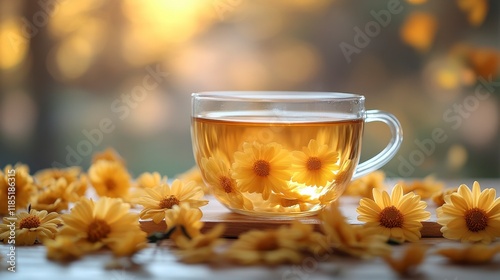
(271, 154)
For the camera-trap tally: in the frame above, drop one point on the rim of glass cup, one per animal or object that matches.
(277, 96)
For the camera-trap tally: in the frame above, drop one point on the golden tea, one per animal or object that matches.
(261, 165)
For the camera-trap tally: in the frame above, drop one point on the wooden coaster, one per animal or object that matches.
(215, 213)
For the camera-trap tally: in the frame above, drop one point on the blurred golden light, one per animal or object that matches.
(13, 44)
(416, 2)
(18, 113)
(73, 57)
(151, 116)
(69, 16)
(153, 25)
(481, 125)
(293, 62)
(419, 30)
(456, 157)
(248, 72)
(476, 10)
(443, 78)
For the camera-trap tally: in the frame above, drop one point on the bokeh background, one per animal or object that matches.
(77, 77)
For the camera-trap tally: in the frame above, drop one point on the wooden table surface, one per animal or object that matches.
(160, 263)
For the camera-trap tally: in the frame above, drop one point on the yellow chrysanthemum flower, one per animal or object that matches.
(184, 220)
(314, 165)
(31, 227)
(306, 239)
(424, 188)
(73, 176)
(106, 222)
(470, 216)
(438, 198)
(150, 180)
(162, 198)
(410, 259)
(194, 174)
(53, 197)
(218, 176)
(352, 240)
(292, 203)
(262, 168)
(472, 254)
(397, 217)
(15, 181)
(109, 154)
(363, 186)
(342, 179)
(268, 247)
(110, 178)
(200, 249)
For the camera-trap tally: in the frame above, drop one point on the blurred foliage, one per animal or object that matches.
(68, 65)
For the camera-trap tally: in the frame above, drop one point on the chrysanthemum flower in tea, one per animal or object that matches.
(315, 164)
(218, 175)
(262, 168)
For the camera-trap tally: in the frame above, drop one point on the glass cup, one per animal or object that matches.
(269, 154)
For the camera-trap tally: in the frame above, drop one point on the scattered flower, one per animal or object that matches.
(150, 180)
(397, 217)
(183, 220)
(471, 254)
(159, 200)
(470, 216)
(438, 198)
(33, 227)
(314, 165)
(73, 176)
(410, 259)
(218, 176)
(262, 168)
(201, 248)
(194, 174)
(109, 154)
(292, 202)
(67, 248)
(424, 188)
(56, 195)
(110, 178)
(363, 186)
(106, 222)
(264, 247)
(351, 240)
(23, 188)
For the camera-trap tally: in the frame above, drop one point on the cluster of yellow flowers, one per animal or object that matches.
(270, 178)
(60, 215)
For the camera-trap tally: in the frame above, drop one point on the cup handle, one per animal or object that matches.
(389, 151)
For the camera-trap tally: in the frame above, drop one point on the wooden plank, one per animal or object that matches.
(215, 213)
